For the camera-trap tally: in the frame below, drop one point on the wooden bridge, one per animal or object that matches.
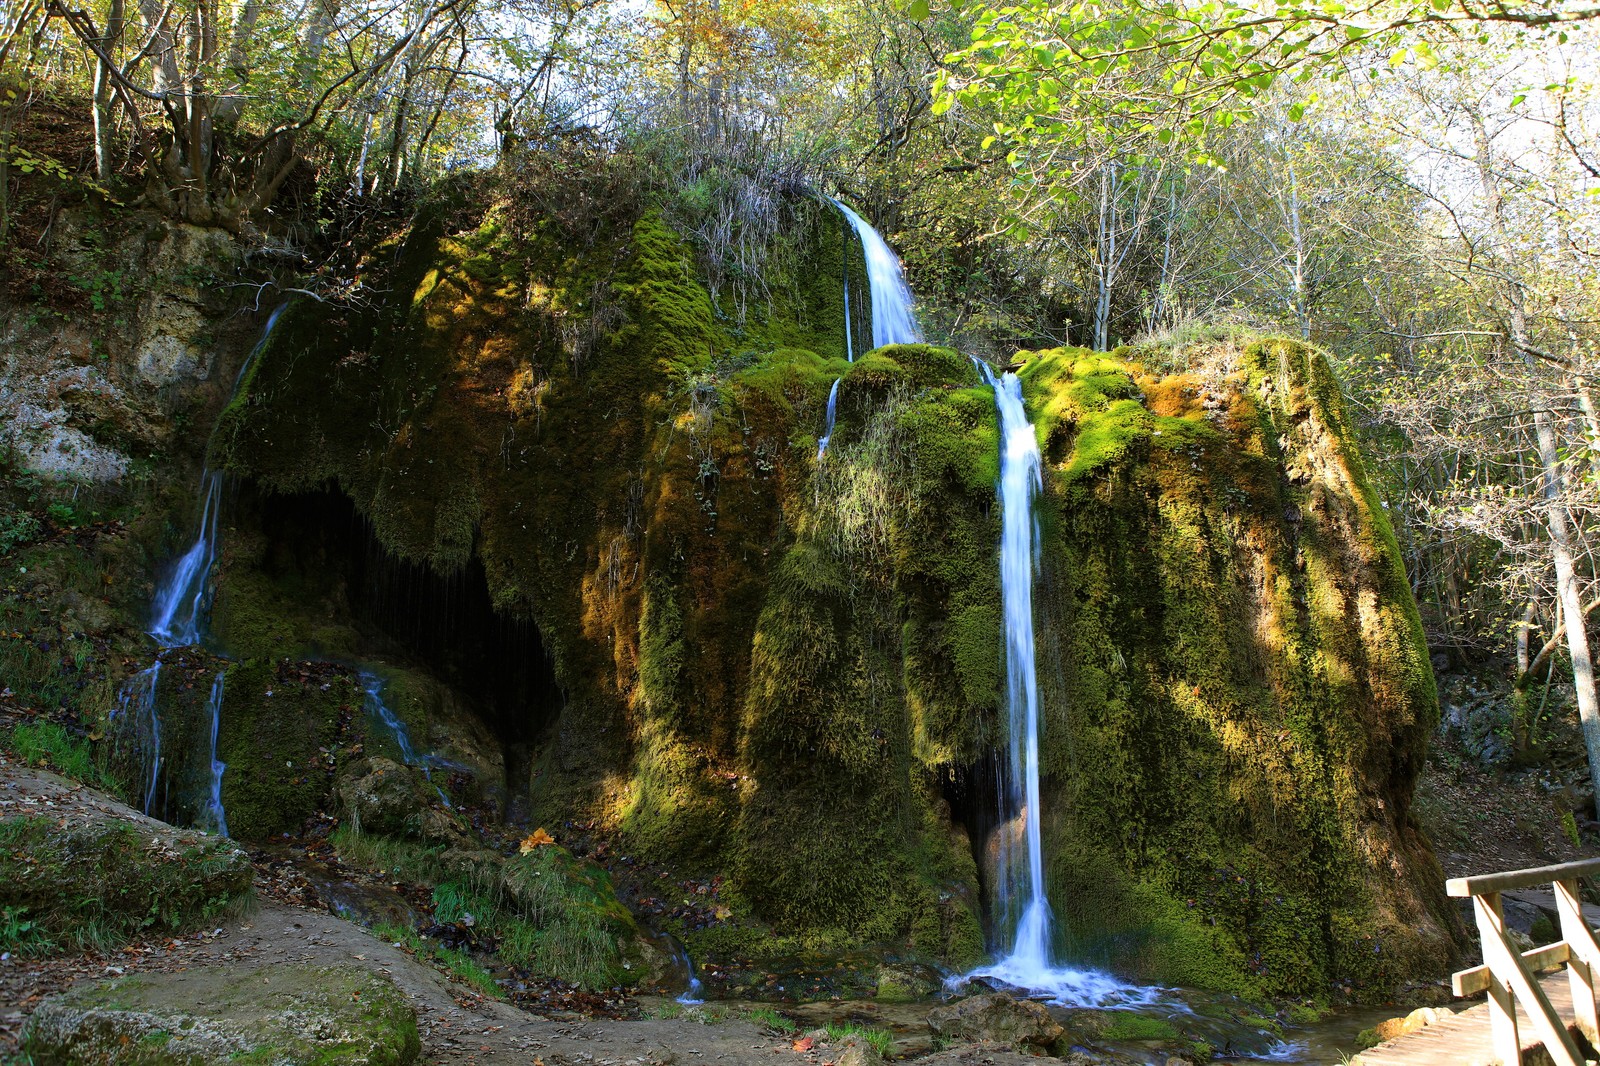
(1524, 1019)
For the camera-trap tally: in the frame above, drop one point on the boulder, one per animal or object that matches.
(382, 796)
(279, 1015)
(997, 1018)
(1397, 1027)
(77, 865)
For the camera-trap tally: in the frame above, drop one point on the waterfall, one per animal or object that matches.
(177, 619)
(1019, 880)
(833, 406)
(893, 320)
(180, 600)
(136, 706)
(215, 815)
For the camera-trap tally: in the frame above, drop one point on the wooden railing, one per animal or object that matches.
(1508, 975)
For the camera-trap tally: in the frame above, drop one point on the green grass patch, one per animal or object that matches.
(49, 744)
(880, 1040)
(457, 963)
(773, 1020)
(550, 912)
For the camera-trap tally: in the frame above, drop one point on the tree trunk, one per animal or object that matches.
(1557, 518)
(103, 164)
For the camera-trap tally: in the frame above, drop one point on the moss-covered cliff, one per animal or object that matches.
(789, 669)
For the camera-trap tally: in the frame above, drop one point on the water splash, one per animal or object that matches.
(694, 994)
(380, 712)
(215, 816)
(1028, 963)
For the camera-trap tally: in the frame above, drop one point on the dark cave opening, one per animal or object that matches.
(445, 623)
(973, 792)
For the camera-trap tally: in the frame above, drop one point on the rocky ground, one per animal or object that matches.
(284, 976)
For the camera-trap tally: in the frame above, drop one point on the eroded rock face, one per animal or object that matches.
(85, 389)
(997, 1018)
(283, 1015)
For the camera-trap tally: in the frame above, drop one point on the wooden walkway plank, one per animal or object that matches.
(1464, 1039)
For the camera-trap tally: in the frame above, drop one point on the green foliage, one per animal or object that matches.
(47, 743)
(20, 935)
(770, 1018)
(18, 528)
(89, 886)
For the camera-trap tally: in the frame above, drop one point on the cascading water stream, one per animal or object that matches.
(215, 816)
(179, 608)
(136, 706)
(177, 619)
(380, 712)
(893, 320)
(180, 600)
(1020, 878)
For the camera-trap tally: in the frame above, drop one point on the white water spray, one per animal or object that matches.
(1020, 878)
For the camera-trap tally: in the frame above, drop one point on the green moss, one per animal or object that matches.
(280, 735)
(1129, 1026)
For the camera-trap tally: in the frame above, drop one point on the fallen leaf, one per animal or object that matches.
(805, 1043)
(536, 839)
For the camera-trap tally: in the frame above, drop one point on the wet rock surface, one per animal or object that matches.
(998, 1019)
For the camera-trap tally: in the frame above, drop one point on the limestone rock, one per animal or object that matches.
(998, 1018)
(281, 1015)
(1420, 1018)
(382, 796)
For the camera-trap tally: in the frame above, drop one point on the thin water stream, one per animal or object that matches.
(178, 615)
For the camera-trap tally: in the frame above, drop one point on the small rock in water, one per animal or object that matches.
(998, 1018)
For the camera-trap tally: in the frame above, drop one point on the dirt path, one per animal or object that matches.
(457, 1024)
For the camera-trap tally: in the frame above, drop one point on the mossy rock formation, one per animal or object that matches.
(287, 1014)
(83, 870)
(789, 669)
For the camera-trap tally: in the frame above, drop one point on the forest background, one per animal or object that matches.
(1415, 187)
